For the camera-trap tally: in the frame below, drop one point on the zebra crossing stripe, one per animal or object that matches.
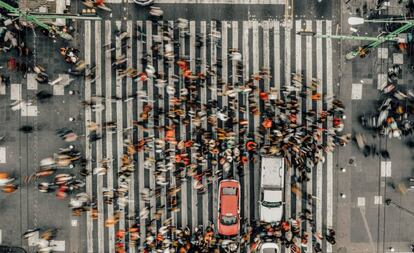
(319, 77)
(256, 117)
(88, 151)
(194, 198)
(329, 94)
(130, 111)
(207, 206)
(309, 106)
(119, 123)
(109, 144)
(98, 116)
(245, 50)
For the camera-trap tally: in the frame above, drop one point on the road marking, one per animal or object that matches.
(356, 93)
(383, 53)
(58, 90)
(398, 58)
(309, 75)
(58, 245)
(246, 76)
(1, 237)
(16, 91)
(194, 198)
(31, 81)
(272, 2)
(207, 206)
(361, 201)
(329, 156)
(213, 61)
(98, 117)
(130, 111)
(29, 111)
(74, 223)
(298, 71)
(120, 125)
(171, 146)
(378, 200)
(386, 169)
(319, 177)
(276, 61)
(88, 151)
(382, 81)
(109, 135)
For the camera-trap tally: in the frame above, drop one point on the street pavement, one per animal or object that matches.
(364, 222)
(264, 44)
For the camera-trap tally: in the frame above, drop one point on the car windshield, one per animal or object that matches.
(270, 250)
(229, 191)
(272, 204)
(228, 220)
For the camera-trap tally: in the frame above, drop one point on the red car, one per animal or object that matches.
(229, 208)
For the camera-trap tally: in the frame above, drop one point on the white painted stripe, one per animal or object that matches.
(194, 198)
(361, 201)
(170, 80)
(184, 185)
(150, 87)
(203, 95)
(329, 163)
(256, 61)
(16, 91)
(309, 73)
(162, 123)
(276, 60)
(213, 61)
(266, 52)
(246, 114)
(99, 179)
(2, 154)
(108, 117)
(88, 152)
(235, 78)
(140, 165)
(298, 71)
(31, 81)
(119, 123)
(208, 1)
(131, 192)
(319, 76)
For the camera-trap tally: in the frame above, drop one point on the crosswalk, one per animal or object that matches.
(263, 44)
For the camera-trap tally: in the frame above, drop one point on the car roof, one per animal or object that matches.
(229, 203)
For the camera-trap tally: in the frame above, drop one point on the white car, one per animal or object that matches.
(272, 189)
(144, 2)
(269, 247)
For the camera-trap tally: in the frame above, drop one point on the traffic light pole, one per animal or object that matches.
(34, 20)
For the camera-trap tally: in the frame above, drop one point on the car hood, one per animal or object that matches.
(269, 245)
(228, 230)
(271, 214)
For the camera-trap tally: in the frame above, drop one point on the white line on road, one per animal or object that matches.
(319, 76)
(108, 117)
(329, 160)
(88, 151)
(246, 115)
(98, 115)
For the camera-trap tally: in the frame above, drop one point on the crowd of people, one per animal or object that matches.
(220, 137)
